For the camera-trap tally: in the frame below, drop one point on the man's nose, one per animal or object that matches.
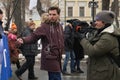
(51, 16)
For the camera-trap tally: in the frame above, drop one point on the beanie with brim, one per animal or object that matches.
(105, 16)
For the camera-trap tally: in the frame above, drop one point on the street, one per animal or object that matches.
(43, 74)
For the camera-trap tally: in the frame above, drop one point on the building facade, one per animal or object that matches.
(80, 9)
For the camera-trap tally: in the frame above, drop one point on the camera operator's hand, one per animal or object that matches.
(79, 35)
(20, 40)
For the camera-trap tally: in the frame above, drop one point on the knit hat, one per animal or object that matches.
(13, 26)
(105, 16)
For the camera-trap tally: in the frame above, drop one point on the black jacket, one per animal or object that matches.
(29, 49)
(68, 38)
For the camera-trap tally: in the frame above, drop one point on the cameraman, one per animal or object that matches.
(69, 53)
(78, 50)
(100, 66)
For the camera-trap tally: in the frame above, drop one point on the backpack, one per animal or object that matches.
(116, 59)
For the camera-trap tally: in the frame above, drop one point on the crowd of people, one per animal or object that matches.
(97, 44)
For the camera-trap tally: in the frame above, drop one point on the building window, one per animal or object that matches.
(81, 11)
(70, 11)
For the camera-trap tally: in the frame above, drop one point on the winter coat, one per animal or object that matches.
(68, 38)
(100, 66)
(49, 33)
(14, 50)
(78, 50)
(71, 43)
(29, 49)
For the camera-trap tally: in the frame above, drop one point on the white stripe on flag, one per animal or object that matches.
(4, 54)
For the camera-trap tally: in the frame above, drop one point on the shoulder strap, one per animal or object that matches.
(118, 38)
(115, 59)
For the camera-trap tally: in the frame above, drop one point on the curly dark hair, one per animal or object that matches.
(54, 8)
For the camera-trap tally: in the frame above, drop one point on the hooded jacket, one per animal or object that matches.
(100, 66)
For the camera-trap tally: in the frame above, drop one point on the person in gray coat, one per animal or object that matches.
(103, 44)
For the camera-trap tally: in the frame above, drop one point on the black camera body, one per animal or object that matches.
(80, 26)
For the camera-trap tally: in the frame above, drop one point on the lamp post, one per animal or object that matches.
(58, 3)
(65, 11)
(92, 4)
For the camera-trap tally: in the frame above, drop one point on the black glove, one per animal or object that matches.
(79, 35)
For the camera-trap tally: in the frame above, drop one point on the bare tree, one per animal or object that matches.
(105, 4)
(115, 8)
(23, 12)
(17, 15)
(15, 9)
(39, 7)
(8, 8)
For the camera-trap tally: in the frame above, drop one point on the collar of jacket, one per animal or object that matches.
(109, 29)
(112, 30)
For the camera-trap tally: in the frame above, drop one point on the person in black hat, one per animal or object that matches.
(100, 65)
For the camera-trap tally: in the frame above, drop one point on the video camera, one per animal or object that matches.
(80, 26)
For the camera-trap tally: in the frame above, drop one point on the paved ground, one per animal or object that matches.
(43, 74)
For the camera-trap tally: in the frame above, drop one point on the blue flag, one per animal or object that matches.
(5, 65)
(1, 55)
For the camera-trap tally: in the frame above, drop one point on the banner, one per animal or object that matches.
(1, 55)
(5, 65)
(32, 4)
